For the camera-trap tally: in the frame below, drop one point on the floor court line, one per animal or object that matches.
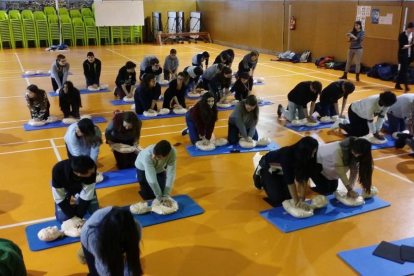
(59, 158)
(21, 66)
(26, 222)
(122, 55)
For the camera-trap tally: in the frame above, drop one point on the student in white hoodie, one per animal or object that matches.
(334, 160)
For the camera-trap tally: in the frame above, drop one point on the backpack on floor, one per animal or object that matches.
(305, 57)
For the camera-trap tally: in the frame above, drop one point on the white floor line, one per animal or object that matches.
(278, 125)
(27, 222)
(19, 151)
(393, 174)
(392, 156)
(9, 122)
(21, 66)
(122, 55)
(59, 158)
(11, 97)
(6, 128)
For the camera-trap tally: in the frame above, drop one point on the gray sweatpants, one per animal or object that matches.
(358, 55)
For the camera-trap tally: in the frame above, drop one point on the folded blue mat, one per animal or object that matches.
(171, 115)
(82, 91)
(308, 128)
(39, 75)
(333, 211)
(187, 208)
(389, 144)
(57, 124)
(194, 151)
(263, 103)
(363, 262)
(117, 178)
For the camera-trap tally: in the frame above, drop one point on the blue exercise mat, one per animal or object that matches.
(194, 151)
(363, 262)
(187, 207)
(171, 115)
(389, 144)
(39, 75)
(308, 128)
(117, 178)
(82, 91)
(58, 124)
(121, 102)
(263, 103)
(333, 211)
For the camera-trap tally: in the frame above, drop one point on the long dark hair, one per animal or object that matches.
(365, 163)
(207, 114)
(40, 94)
(252, 101)
(146, 79)
(131, 118)
(304, 161)
(87, 127)
(225, 82)
(118, 235)
(354, 31)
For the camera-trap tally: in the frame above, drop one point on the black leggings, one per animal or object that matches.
(324, 186)
(358, 126)
(274, 186)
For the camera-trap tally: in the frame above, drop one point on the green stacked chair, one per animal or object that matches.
(63, 11)
(104, 33)
(93, 8)
(49, 11)
(5, 33)
(75, 14)
(137, 34)
(86, 12)
(91, 32)
(54, 32)
(116, 33)
(29, 27)
(17, 27)
(126, 34)
(67, 29)
(42, 28)
(79, 31)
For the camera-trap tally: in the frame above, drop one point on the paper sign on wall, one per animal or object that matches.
(386, 20)
(363, 11)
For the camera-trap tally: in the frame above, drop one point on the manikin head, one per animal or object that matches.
(91, 57)
(161, 150)
(50, 233)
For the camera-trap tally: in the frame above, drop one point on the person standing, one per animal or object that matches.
(405, 55)
(355, 37)
(92, 70)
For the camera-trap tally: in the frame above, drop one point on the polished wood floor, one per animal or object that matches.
(230, 238)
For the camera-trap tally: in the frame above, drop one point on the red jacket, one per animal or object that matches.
(202, 128)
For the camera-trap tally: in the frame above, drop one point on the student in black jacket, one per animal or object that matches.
(147, 94)
(174, 96)
(328, 100)
(405, 56)
(154, 69)
(226, 57)
(248, 63)
(126, 80)
(74, 177)
(70, 100)
(92, 70)
(220, 84)
(243, 86)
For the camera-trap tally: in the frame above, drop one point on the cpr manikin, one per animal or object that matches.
(179, 110)
(342, 197)
(164, 111)
(37, 122)
(223, 105)
(128, 99)
(318, 202)
(123, 148)
(244, 143)
(68, 228)
(166, 206)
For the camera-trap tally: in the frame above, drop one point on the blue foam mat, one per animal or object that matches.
(308, 128)
(58, 124)
(82, 91)
(39, 75)
(333, 211)
(263, 103)
(389, 144)
(121, 102)
(193, 151)
(117, 178)
(187, 208)
(171, 115)
(362, 261)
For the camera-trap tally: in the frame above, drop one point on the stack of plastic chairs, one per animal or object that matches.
(79, 31)
(75, 14)
(54, 32)
(67, 29)
(104, 33)
(42, 28)
(86, 13)
(91, 32)
(116, 33)
(49, 11)
(63, 11)
(29, 27)
(5, 33)
(93, 8)
(17, 28)
(137, 33)
(126, 34)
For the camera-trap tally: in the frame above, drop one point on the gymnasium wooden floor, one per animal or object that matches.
(230, 238)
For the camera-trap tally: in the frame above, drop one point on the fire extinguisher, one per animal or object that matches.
(292, 23)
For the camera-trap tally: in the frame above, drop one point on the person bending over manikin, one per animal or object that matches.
(154, 69)
(248, 63)
(70, 101)
(243, 86)
(399, 115)
(92, 70)
(73, 181)
(125, 81)
(243, 121)
(147, 95)
(171, 64)
(200, 58)
(156, 167)
(192, 77)
(219, 85)
(59, 72)
(226, 57)
(38, 103)
(209, 74)
(361, 115)
(280, 171)
(298, 99)
(174, 96)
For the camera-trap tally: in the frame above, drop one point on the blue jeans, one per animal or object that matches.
(233, 134)
(192, 130)
(294, 109)
(325, 109)
(93, 207)
(90, 262)
(394, 124)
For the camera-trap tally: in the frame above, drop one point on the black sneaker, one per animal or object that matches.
(398, 87)
(345, 127)
(279, 110)
(402, 137)
(184, 132)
